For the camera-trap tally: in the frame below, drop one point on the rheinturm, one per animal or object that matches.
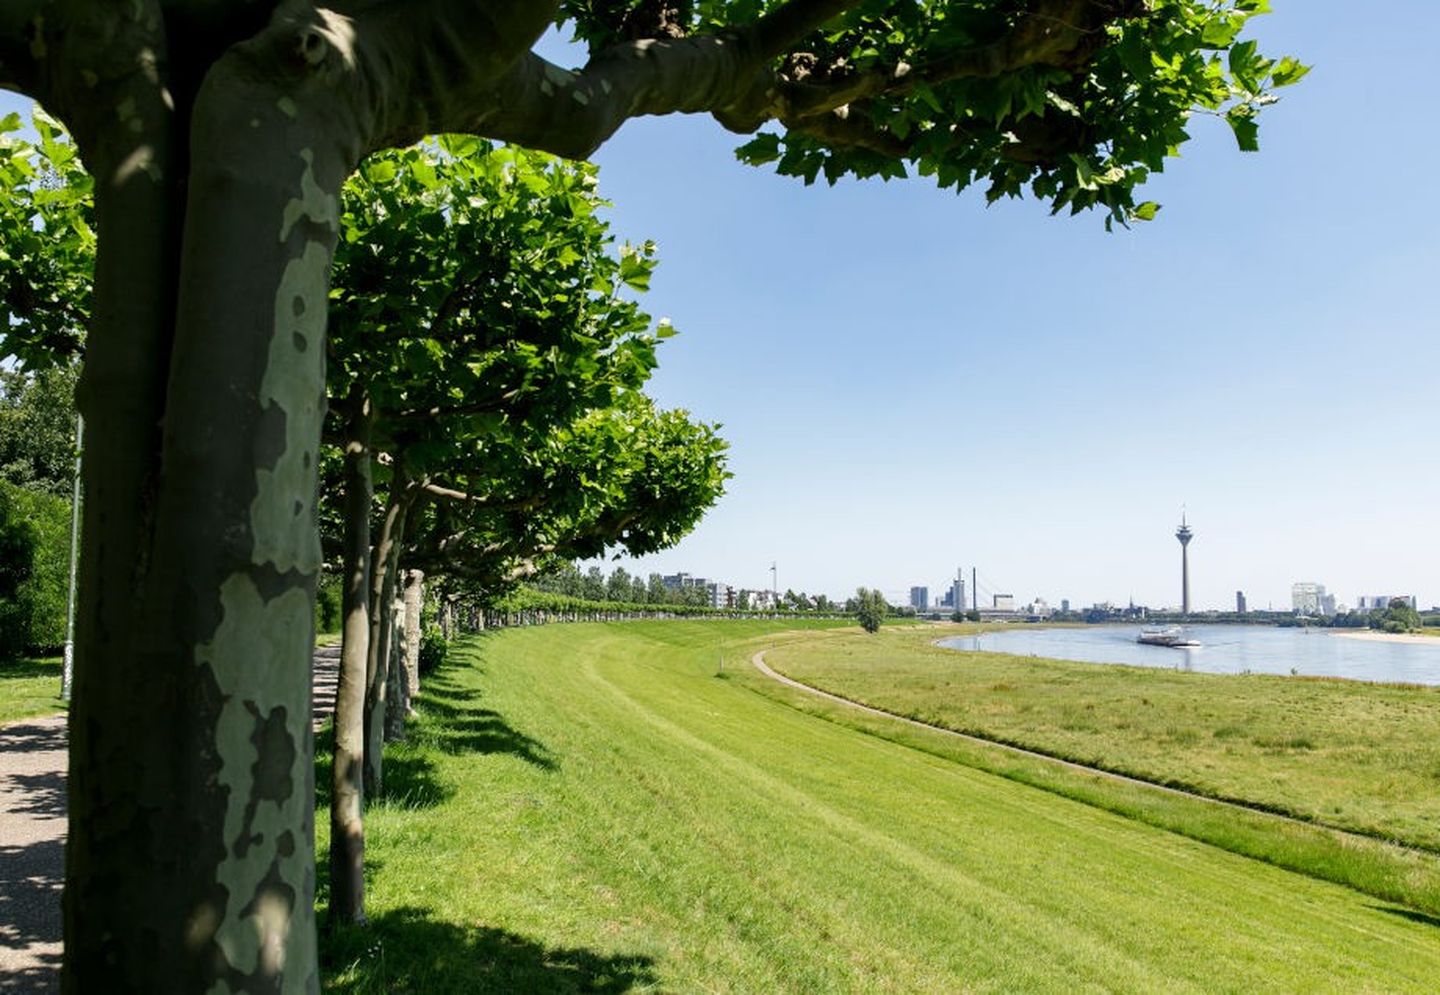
(1184, 534)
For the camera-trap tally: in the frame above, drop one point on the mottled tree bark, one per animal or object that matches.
(347, 832)
(395, 681)
(190, 858)
(382, 595)
(414, 632)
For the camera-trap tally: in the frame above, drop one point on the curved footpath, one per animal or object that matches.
(32, 839)
(759, 661)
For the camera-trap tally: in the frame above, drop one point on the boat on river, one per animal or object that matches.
(1169, 636)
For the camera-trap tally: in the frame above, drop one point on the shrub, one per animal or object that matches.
(432, 649)
(327, 603)
(34, 569)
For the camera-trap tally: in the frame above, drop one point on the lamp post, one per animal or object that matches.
(67, 673)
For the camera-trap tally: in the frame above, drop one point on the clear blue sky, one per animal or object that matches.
(913, 382)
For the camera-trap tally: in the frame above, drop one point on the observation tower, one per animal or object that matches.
(1184, 534)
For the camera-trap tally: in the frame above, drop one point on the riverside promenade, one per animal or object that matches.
(32, 839)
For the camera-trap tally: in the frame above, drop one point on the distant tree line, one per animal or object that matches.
(620, 585)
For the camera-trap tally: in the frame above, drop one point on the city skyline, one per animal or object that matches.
(1261, 360)
(906, 594)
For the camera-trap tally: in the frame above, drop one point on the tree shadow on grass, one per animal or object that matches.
(451, 719)
(448, 720)
(1423, 918)
(16, 667)
(406, 951)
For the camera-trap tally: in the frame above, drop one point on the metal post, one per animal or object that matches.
(67, 673)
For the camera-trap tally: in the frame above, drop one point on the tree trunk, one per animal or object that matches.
(190, 864)
(347, 796)
(395, 698)
(414, 633)
(382, 598)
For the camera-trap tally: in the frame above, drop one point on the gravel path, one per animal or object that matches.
(32, 848)
(32, 839)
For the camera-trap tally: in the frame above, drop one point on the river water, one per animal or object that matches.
(1224, 649)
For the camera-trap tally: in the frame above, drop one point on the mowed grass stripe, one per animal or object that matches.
(1033, 806)
(694, 836)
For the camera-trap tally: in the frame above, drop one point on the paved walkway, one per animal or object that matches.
(32, 839)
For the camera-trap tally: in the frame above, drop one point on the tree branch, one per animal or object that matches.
(482, 502)
(1060, 33)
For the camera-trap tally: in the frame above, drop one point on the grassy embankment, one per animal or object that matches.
(591, 808)
(1363, 757)
(29, 688)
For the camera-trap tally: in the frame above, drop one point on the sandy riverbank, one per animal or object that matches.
(1388, 637)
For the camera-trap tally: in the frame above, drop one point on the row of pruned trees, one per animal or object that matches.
(483, 413)
(504, 428)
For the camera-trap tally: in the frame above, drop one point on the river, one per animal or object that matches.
(1224, 649)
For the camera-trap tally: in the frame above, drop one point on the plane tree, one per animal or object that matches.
(484, 373)
(219, 135)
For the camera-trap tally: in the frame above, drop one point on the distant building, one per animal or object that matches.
(1374, 602)
(957, 593)
(760, 601)
(920, 598)
(674, 582)
(1064, 604)
(1240, 602)
(719, 595)
(1003, 603)
(1309, 598)
(947, 600)
(1039, 608)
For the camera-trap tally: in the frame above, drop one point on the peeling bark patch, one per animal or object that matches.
(270, 436)
(261, 744)
(293, 385)
(271, 583)
(271, 778)
(315, 204)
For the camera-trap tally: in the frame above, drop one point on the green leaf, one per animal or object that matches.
(1287, 71)
(763, 148)
(1247, 130)
(380, 170)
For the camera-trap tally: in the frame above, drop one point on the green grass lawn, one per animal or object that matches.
(1360, 756)
(590, 808)
(29, 688)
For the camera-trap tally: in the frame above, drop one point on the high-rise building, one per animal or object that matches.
(1307, 597)
(920, 598)
(1064, 604)
(1240, 602)
(957, 592)
(1184, 534)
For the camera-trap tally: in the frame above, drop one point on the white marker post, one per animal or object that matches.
(67, 674)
